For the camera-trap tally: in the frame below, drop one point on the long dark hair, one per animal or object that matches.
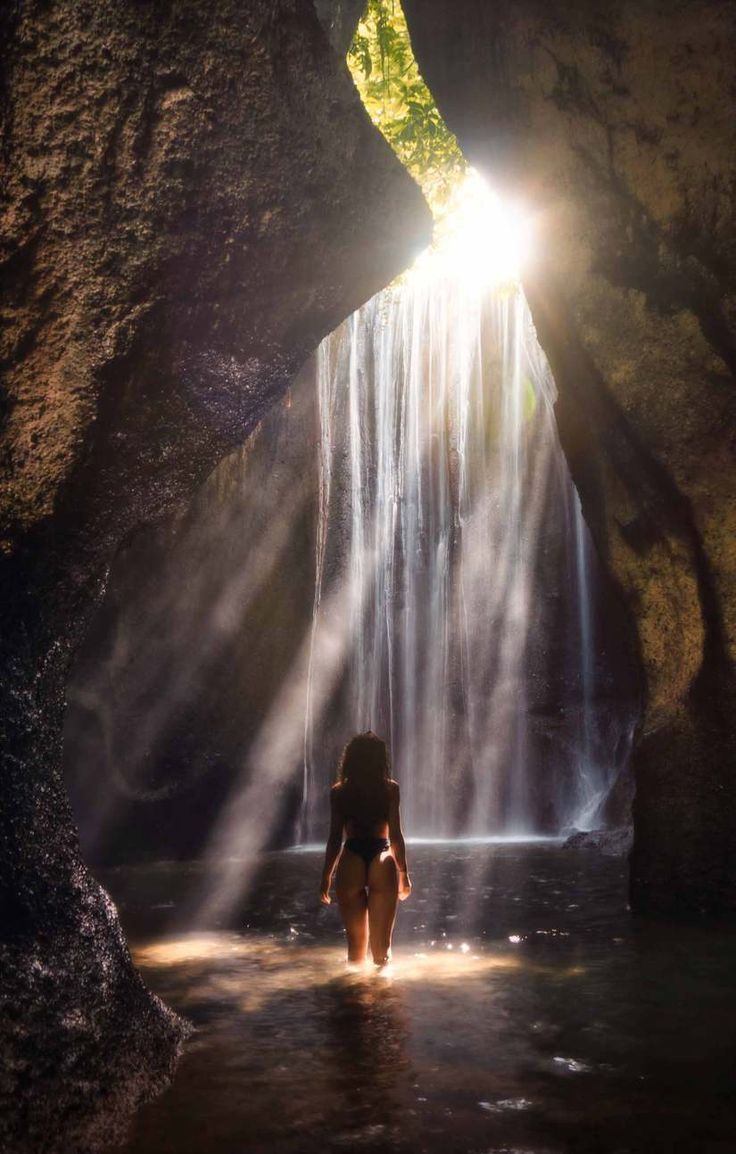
(364, 761)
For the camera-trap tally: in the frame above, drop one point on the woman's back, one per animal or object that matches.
(364, 806)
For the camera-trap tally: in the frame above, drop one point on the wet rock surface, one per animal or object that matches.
(611, 842)
(192, 197)
(611, 126)
(83, 1043)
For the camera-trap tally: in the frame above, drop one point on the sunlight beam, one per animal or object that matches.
(480, 239)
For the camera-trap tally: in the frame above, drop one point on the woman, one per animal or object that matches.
(371, 875)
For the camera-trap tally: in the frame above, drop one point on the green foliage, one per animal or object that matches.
(530, 399)
(400, 104)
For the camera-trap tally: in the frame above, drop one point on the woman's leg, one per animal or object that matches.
(351, 897)
(383, 898)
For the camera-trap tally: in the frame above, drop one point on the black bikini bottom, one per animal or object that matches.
(367, 847)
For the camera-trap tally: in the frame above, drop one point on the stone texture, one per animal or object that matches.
(616, 842)
(192, 195)
(204, 617)
(614, 126)
(340, 18)
(83, 1043)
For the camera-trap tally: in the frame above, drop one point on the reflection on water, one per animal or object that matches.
(276, 969)
(525, 1012)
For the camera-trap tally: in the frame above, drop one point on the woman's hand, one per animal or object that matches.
(324, 891)
(404, 885)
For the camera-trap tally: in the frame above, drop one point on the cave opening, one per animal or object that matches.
(399, 546)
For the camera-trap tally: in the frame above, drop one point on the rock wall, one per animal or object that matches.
(614, 126)
(204, 617)
(340, 18)
(192, 195)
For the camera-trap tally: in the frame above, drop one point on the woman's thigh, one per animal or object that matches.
(383, 874)
(351, 874)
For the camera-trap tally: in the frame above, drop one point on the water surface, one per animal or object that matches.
(527, 1013)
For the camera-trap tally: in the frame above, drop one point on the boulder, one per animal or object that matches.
(615, 842)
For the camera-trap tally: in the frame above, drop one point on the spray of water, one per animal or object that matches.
(439, 461)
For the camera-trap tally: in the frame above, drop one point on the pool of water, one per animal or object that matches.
(526, 1013)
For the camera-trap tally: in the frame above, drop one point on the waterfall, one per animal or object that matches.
(443, 494)
(593, 776)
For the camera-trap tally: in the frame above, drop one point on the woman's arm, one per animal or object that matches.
(398, 845)
(332, 850)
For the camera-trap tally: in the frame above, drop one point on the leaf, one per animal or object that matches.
(399, 102)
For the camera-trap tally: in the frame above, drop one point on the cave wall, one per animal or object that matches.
(614, 126)
(204, 616)
(192, 195)
(340, 18)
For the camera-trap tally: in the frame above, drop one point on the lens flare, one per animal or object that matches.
(480, 239)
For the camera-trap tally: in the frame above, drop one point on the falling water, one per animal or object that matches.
(592, 777)
(441, 480)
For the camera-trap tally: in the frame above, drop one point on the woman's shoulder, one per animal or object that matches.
(393, 787)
